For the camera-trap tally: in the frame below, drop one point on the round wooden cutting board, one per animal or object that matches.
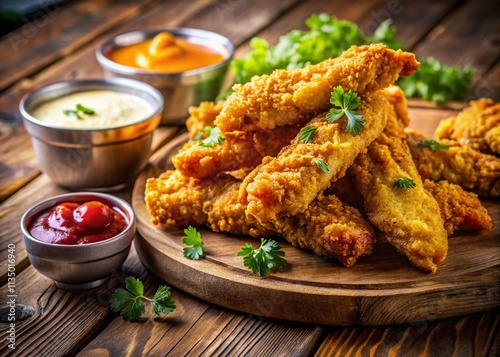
(379, 289)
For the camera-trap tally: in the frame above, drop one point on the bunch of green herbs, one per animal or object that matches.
(327, 37)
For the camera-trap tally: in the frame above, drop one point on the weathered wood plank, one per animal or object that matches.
(470, 335)
(59, 29)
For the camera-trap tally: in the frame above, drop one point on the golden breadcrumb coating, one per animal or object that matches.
(288, 97)
(459, 164)
(202, 116)
(285, 185)
(239, 151)
(328, 226)
(477, 125)
(410, 218)
(461, 210)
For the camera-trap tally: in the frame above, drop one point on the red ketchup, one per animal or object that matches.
(78, 223)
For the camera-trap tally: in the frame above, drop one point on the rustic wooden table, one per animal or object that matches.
(60, 44)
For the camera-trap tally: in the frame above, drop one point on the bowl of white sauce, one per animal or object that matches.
(92, 133)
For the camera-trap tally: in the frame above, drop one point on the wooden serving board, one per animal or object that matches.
(379, 289)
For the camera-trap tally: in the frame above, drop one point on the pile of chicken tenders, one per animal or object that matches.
(250, 169)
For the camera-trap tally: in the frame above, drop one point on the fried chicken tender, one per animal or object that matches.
(328, 227)
(286, 184)
(459, 164)
(410, 218)
(288, 97)
(239, 151)
(461, 210)
(477, 125)
(202, 116)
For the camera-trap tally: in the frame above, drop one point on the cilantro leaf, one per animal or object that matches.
(130, 302)
(404, 183)
(347, 103)
(321, 164)
(213, 137)
(432, 144)
(193, 237)
(75, 112)
(261, 260)
(306, 134)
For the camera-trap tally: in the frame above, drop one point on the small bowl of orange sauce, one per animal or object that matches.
(186, 65)
(79, 239)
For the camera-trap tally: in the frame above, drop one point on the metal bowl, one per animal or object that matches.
(180, 89)
(82, 266)
(92, 159)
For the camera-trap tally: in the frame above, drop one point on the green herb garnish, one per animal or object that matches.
(76, 112)
(193, 238)
(321, 164)
(404, 183)
(432, 144)
(347, 103)
(327, 37)
(261, 260)
(306, 134)
(130, 302)
(213, 136)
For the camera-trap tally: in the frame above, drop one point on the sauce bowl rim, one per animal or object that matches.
(149, 33)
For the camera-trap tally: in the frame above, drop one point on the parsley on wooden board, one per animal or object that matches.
(193, 238)
(347, 103)
(327, 37)
(404, 183)
(129, 302)
(261, 260)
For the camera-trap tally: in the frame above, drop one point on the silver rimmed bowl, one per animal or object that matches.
(180, 89)
(79, 266)
(100, 158)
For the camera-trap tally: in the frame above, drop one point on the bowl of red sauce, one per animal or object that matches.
(79, 239)
(186, 65)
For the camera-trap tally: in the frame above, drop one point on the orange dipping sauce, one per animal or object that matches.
(166, 53)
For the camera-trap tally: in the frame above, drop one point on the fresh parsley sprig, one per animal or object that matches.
(321, 164)
(404, 183)
(432, 144)
(212, 136)
(129, 302)
(347, 103)
(78, 109)
(193, 238)
(261, 260)
(306, 134)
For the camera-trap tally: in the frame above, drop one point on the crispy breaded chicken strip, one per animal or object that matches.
(285, 185)
(202, 116)
(461, 210)
(410, 218)
(239, 151)
(459, 164)
(328, 227)
(397, 98)
(477, 125)
(288, 97)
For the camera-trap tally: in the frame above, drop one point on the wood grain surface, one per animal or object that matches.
(375, 291)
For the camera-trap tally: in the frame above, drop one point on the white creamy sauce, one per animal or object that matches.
(111, 109)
